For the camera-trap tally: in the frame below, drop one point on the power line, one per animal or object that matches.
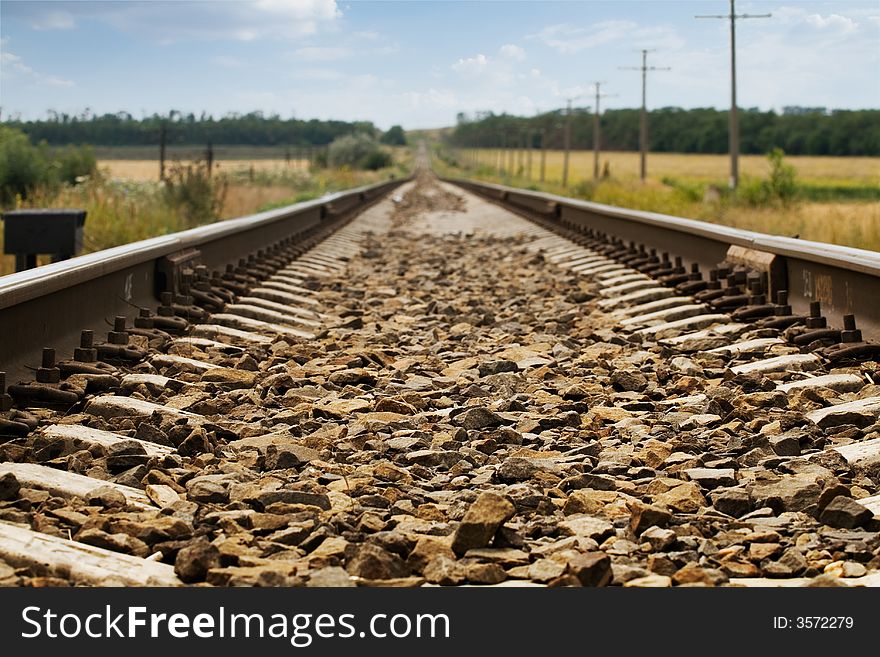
(734, 118)
(643, 117)
(566, 138)
(597, 136)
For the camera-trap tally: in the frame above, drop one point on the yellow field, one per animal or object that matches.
(147, 170)
(625, 165)
(847, 222)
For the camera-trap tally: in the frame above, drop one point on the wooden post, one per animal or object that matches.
(530, 137)
(543, 153)
(209, 157)
(162, 137)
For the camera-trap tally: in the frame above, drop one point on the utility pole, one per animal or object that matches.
(734, 119)
(511, 154)
(543, 153)
(163, 135)
(566, 138)
(597, 134)
(643, 116)
(519, 153)
(530, 143)
(209, 157)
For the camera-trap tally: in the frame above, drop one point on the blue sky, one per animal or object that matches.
(420, 63)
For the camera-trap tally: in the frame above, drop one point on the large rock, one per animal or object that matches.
(629, 381)
(787, 493)
(478, 418)
(481, 521)
(734, 502)
(845, 513)
(9, 487)
(195, 560)
(646, 515)
(591, 568)
(372, 562)
(685, 498)
(591, 527)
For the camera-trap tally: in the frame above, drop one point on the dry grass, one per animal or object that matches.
(851, 223)
(625, 165)
(148, 170)
(126, 203)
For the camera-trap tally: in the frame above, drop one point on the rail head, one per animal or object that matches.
(833, 255)
(27, 285)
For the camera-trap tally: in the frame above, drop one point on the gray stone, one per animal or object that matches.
(788, 493)
(195, 560)
(646, 515)
(583, 525)
(330, 576)
(712, 477)
(591, 568)
(478, 418)
(734, 502)
(206, 491)
(372, 562)
(659, 538)
(107, 497)
(9, 487)
(629, 381)
(845, 513)
(785, 444)
(445, 572)
(483, 518)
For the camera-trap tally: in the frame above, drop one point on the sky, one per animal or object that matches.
(419, 64)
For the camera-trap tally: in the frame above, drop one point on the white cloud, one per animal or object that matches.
(316, 74)
(227, 61)
(569, 39)
(171, 22)
(13, 67)
(833, 21)
(471, 65)
(320, 53)
(444, 98)
(53, 20)
(512, 51)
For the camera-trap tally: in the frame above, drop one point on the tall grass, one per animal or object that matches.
(124, 211)
(693, 186)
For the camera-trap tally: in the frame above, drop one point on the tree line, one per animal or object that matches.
(796, 130)
(252, 129)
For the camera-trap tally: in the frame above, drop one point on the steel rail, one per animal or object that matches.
(845, 280)
(50, 305)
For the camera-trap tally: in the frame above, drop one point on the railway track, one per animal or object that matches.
(436, 390)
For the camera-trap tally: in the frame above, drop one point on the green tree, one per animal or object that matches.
(357, 152)
(23, 167)
(394, 137)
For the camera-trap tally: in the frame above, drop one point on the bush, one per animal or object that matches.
(753, 191)
(376, 160)
(585, 189)
(782, 183)
(23, 167)
(357, 152)
(394, 137)
(687, 190)
(190, 190)
(74, 162)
